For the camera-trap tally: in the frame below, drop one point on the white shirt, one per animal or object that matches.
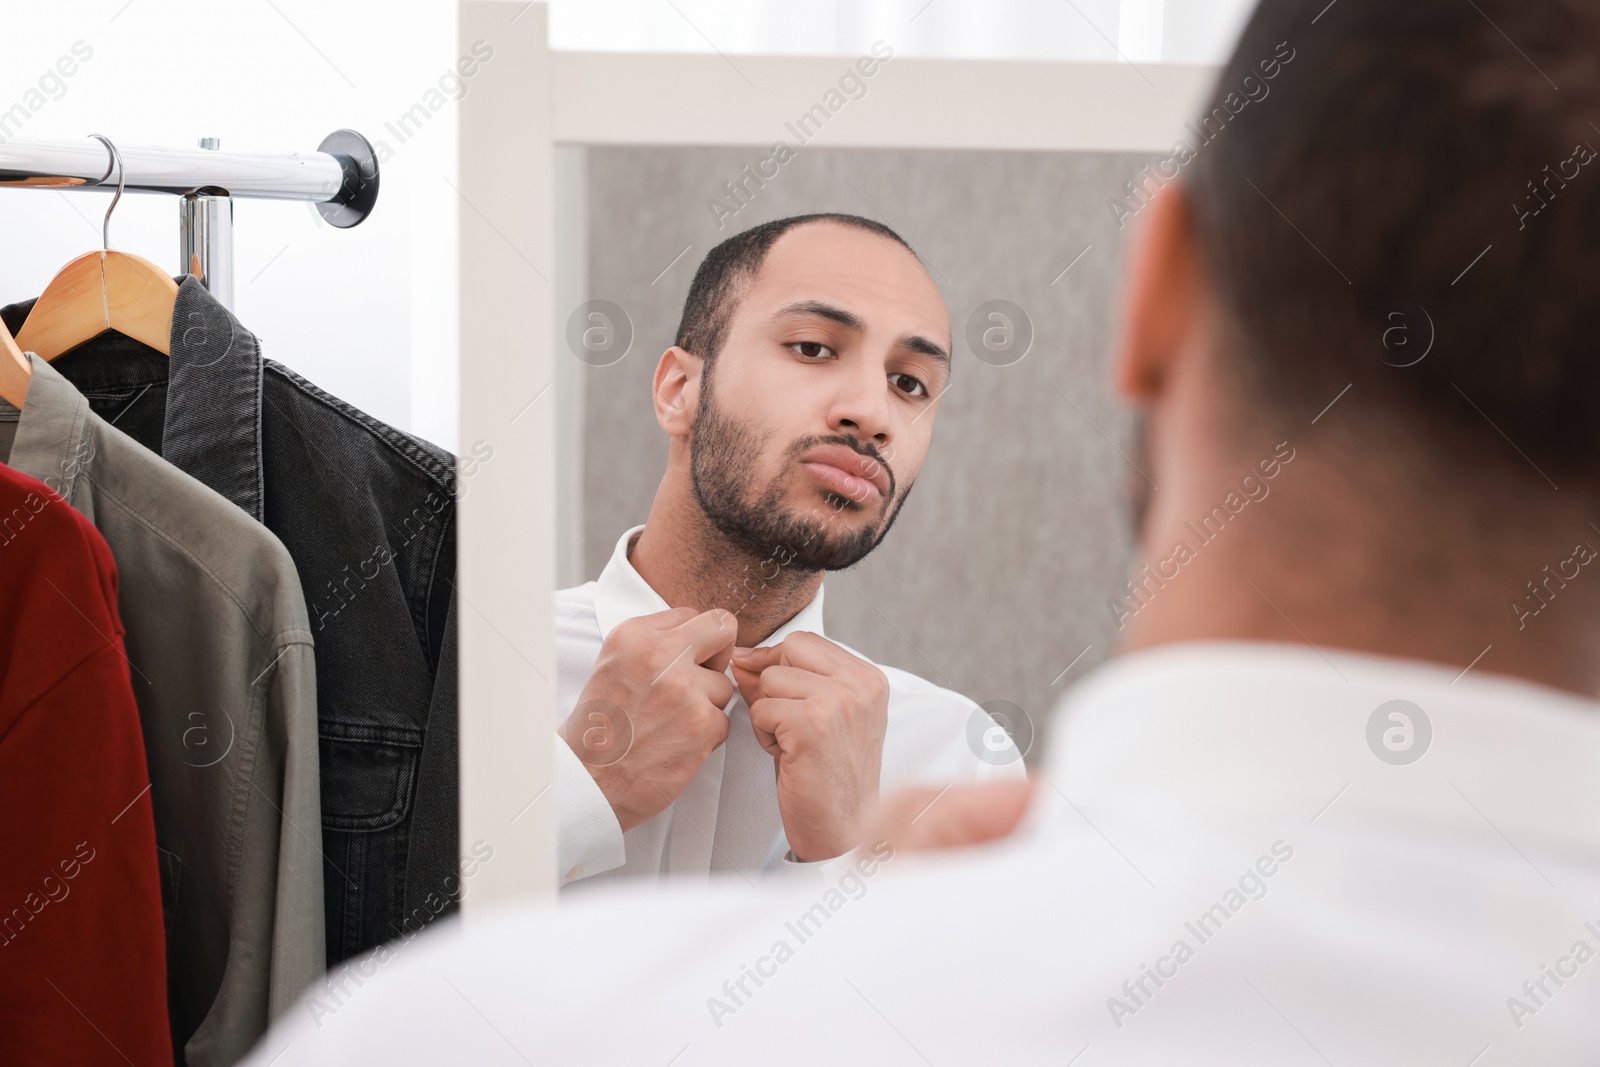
(1393, 916)
(727, 818)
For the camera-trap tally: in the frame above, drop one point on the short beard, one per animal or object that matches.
(723, 455)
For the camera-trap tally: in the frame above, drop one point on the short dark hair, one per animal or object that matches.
(1414, 155)
(728, 268)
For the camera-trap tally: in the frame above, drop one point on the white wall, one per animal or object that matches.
(1174, 31)
(367, 313)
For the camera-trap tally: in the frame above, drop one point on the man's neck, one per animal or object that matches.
(690, 563)
(1333, 563)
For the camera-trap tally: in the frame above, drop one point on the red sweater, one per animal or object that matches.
(82, 945)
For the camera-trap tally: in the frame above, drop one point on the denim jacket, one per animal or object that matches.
(368, 515)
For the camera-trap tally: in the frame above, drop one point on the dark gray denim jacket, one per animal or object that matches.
(368, 515)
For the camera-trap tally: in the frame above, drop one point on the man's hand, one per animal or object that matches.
(821, 712)
(927, 818)
(656, 694)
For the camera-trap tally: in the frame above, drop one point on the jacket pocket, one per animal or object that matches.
(367, 783)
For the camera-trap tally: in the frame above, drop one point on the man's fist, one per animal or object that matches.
(657, 692)
(821, 712)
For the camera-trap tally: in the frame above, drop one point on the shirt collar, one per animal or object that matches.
(212, 425)
(621, 593)
(51, 443)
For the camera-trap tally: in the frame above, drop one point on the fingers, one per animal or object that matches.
(769, 742)
(718, 689)
(803, 649)
(757, 660)
(930, 818)
(719, 660)
(768, 715)
(709, 637)
(666, 620)
(721, 730)
(749, 683)
(700, 644)
(759, 670)
(790, 683)
(815, 653)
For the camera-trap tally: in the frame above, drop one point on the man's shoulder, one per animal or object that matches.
(914, 691)
(938, 733)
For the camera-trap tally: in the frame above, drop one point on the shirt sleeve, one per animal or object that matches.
(791, 869)
(299, 955)
(589, 837)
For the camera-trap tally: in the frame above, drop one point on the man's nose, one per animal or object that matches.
(862, 409)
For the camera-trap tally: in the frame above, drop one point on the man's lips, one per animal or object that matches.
(848, 473)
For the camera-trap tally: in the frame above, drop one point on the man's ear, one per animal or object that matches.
(1163, 304)
(677, 390)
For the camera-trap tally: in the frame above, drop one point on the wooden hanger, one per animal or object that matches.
(100, 291)
(15, 371)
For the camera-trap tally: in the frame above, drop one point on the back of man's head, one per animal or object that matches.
(1419, 170)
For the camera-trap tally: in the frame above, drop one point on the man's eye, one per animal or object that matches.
(909, 385)
(810, 349)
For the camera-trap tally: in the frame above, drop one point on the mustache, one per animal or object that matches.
(859, 447)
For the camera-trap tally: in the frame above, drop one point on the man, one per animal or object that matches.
(1336, 801)
(709, 725)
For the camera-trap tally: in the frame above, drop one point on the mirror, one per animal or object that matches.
(999, 577)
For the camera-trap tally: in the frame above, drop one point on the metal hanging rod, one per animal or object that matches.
(342, 172)
(340, 178)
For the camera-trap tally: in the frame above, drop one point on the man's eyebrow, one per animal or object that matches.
(822, 310)
(922, 345)
(850, 320)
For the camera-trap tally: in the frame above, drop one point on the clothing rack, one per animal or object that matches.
(340, 177)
